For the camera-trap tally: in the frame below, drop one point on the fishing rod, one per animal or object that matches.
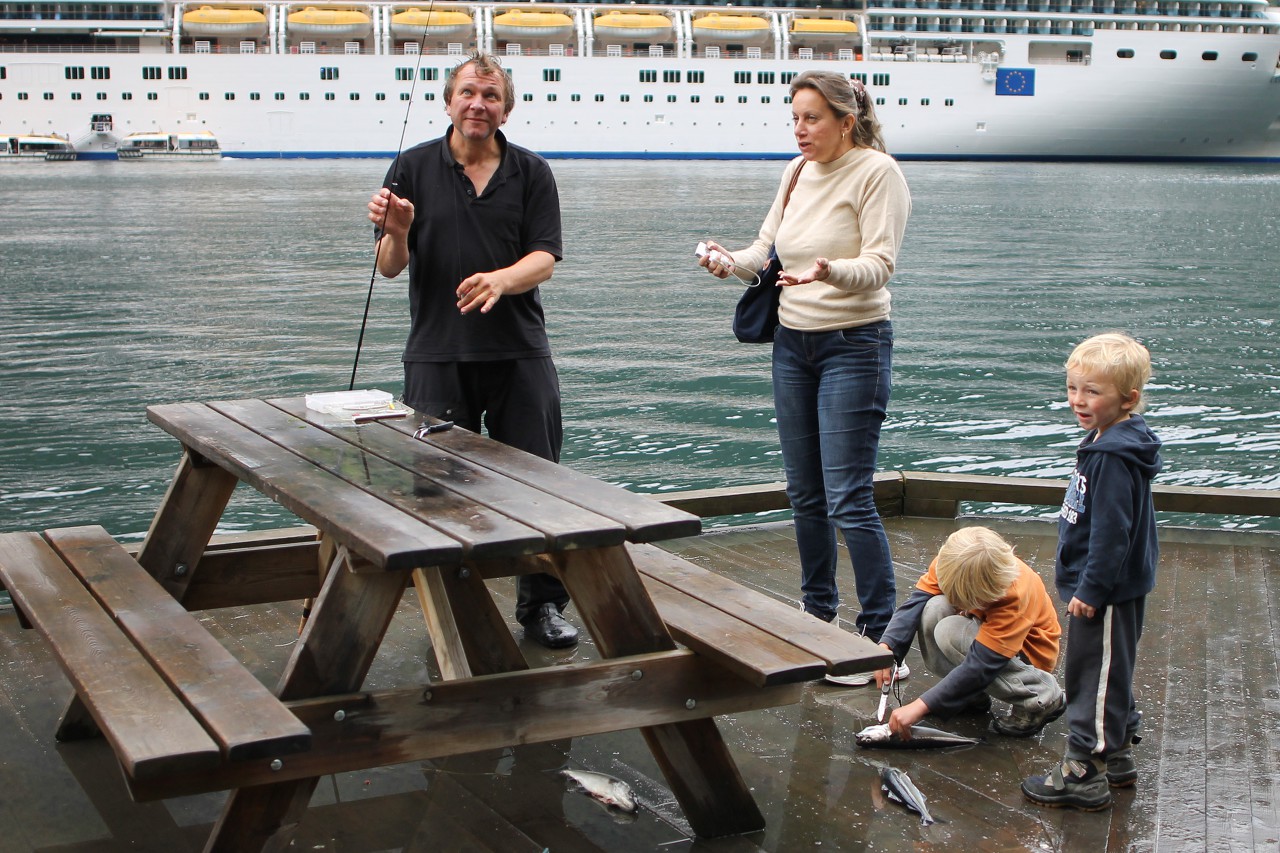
(404, 129)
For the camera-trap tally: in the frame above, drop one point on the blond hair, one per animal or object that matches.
(975, 567)
(1116, 357)
(846, 97)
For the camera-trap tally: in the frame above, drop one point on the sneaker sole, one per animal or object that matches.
(1122, 783)
(1070, 804)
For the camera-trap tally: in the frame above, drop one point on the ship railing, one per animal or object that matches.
(68, 48)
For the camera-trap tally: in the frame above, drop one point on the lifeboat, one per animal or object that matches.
(633, 26)
(157, 145)
(739, 29)
(36, 146)
(416, 23)
(516, 25)
(815, 30)
(329, 23)
(224, 22)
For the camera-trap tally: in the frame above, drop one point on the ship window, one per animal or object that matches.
(599, 99)
(75, 96)
(648, 76)
(1168, 54)
(102, 96)
(788, 76)
(228, 96)
(255, 96)
(671, 99)
(924, 102)
(575, 98)
(355, 96)
(22, 96)
(902, 102)
(742, 76)
(551, 75)
(429, 96)
(879, 102)
(429, 74)
(74, 72)
(204, 96)
(1249, 57)
(859, 76)
(381, 96)
(177, 72)
(404, 74)
(949, 102)
(4, 74)
(98, 72)
(527, 97)
(304, 96)
(1209, 55)
(329, 96)
(880, 79)
(151, 72)
(670, 76)
(279, 96)
(1125, 53)
(329, 72)
(626, 99)
(648, 99)
(152, 96)
(697, 77)
(719, 99)
(695, 99)
(551, 97)
(766, 77)
(404, 96)
(787, 99)
(742, 99)
(126, 96)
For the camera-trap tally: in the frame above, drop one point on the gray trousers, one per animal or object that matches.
(945, 637)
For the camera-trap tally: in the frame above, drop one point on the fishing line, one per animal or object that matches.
(377, 252)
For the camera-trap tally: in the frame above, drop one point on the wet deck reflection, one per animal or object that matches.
(1208, 683)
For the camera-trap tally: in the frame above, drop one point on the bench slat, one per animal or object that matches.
(844, 653)
(758, 657)
(151, 731)
(243, 716)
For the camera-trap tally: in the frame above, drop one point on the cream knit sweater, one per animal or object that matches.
(852, 211)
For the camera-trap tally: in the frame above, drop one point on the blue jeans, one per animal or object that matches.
(830, 392)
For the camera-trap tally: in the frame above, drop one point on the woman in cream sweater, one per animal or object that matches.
(832, 352)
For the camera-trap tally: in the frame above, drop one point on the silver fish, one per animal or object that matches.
(922, 737)
(614, 793)
(899, 788)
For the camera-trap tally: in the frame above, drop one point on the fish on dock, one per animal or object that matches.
(898, 787)
(922, 737)
(614, 793)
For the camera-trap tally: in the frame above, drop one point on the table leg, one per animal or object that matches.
(618, 612)
(333, 655)
(467, 632)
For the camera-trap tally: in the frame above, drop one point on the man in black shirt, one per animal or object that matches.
(477, 222)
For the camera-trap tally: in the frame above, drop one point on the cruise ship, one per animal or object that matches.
(952, 79)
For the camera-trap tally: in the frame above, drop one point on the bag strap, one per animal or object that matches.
(795, 176)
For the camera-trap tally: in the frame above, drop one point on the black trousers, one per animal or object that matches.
(517, 401)
(1101, 652)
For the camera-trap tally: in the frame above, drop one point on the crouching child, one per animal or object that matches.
(987, 625)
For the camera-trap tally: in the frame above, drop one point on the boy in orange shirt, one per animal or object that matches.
(986, 624)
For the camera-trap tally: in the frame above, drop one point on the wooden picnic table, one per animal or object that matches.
(447, 510)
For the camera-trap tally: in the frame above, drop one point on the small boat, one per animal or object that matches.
(633, 26)
(517, 25)
(36, 146)
(738, 29)
(157, 145)
(415, 23)
(329, 23)
(818, 30)
(224, 22)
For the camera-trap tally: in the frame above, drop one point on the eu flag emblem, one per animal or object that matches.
(1015, 81)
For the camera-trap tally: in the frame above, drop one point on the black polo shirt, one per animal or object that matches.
(455, 234)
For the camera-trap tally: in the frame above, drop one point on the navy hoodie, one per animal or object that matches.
(1107, 549)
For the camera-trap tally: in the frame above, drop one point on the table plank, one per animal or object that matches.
(386, 536)
(645, 519)
(482, 533)
(564, 524)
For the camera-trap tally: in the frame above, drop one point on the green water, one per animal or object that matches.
(126, 284)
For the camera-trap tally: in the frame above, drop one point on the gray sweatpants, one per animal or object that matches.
(945, 637)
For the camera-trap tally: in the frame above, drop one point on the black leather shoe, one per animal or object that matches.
(548, 628)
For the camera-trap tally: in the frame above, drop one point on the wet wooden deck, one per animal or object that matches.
(1208, 682)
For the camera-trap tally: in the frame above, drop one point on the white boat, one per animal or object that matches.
(951, 79)
(156, 145)
(35, 146)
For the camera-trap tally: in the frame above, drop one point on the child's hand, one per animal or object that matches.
(902, 719)
(1078, 608)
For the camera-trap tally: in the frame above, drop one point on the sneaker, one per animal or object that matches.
(862, 679)
(1122, 770)
(1022, 722)
(1072, 784)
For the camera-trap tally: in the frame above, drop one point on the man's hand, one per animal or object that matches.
(391, 213)
(482, 290)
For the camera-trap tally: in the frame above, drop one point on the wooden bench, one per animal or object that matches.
(169, 698)
(754, 636)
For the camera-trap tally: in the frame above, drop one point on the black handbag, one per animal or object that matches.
(756, 316)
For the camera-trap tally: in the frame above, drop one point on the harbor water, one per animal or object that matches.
(126, 284)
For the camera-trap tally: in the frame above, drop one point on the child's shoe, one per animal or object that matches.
(1072, 784)
(1122, 770)
(1022, 722)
